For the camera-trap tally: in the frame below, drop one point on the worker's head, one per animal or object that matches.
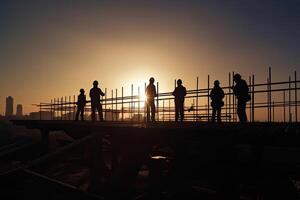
(237, 77)
(81, 91)
(217, 83)
(95, 83)
(151, 80)
(179, 82)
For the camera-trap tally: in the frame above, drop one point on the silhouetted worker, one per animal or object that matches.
(179, 94)
(150, 94)
(81, 101)
(216, 96)
(241, 90)
(95, 93)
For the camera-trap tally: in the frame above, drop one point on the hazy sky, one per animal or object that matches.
(53, 48)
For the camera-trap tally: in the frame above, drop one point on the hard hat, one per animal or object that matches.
(95, 82)
(237, 77)
(179, 81)
(217, 82)
(151, 80)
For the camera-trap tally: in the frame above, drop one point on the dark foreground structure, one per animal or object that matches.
(163, 160)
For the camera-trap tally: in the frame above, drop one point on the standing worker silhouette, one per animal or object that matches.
(241, 90)
(95, 93)
(81, 101)
(150, 94)
(216, 96)
(179, 94)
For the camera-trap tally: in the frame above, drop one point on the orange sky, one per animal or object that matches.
(53, 49)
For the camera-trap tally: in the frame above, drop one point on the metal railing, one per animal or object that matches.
(277, 100)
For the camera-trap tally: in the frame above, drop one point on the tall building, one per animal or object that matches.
(19, 112)
(9, 106)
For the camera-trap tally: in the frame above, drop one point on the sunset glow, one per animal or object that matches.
(60, 52)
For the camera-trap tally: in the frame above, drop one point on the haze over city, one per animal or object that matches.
(54, 48)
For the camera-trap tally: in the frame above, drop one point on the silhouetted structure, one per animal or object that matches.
(179, 93)
(216, 96)
(81, 101)
(9, 106)
(241, 92)
(95, 94)
(19, 112)
(151, 94)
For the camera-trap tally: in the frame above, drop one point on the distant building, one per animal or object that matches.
(9, 106)
(19, 112)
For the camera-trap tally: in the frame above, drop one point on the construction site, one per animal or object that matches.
(126, 157)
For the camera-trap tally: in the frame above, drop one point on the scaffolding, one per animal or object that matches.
(278, 100)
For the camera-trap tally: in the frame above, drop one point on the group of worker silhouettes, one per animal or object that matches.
(240, 90)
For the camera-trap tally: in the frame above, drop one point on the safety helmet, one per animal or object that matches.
(151, 80)
(217, 82)
(237, 77)
(95, 82)
(179, 81)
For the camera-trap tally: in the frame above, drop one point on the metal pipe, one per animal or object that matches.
(296, 106)
(69, 108)
(157, 100)
(197, 97)
(290, 114)
(51, 111)
(169, 109)
(65, 108)
(112, 105)
(229, 105)
(270, 90)
(139, 103)
(116, 113)
(284, 105)
(233, 102)
(253, 101)
(122, 104)
(74, 107)
(250, 90)
(268, 99)
(131, 104)
(208, 107)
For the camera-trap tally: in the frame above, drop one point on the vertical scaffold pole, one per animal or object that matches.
(139, 101)
(229, 96)
(131, 103)
(208, 107)
(253, 101)
(284, 105)
(74, 107)
(197, 98)
(296, 103)
(290, 112)
(157, 100)
(112, 105)
(51, 112)
(250, 90)
(233, 102)
(122, 104)
(105, 104)
(116, 112)
(270, 91)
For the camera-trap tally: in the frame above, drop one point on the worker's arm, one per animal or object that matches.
(101, 93)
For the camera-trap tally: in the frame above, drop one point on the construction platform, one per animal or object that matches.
(177, 156)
